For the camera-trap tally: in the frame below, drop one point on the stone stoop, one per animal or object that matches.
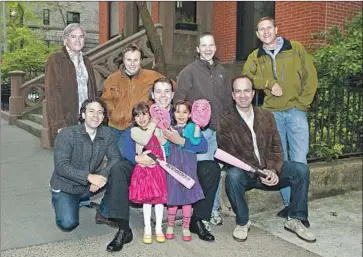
(33, 124)
(326, 180)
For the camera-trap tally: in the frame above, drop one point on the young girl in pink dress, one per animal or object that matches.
(148, 184)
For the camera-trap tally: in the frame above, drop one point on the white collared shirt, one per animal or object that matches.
(249, 121)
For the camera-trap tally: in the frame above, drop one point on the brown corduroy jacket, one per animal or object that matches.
(61, 90)
(234, 137)
(121, 93)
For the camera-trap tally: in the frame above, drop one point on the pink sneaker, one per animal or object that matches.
(169, 233)
(187, 236)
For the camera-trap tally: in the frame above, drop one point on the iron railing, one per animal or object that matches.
(335, 120)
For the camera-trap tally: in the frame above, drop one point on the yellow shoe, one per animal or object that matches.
(160, 238)
(147, 239)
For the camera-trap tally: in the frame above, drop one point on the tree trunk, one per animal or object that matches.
(62, 15)
(153, 37)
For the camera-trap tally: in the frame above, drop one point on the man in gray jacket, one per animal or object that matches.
(78, 154)
(206, 78)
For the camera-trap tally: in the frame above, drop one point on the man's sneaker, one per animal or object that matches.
(295, 226)
(240, 232)
(216, 219)
(207, 225)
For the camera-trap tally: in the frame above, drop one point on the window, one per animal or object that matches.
(185, 15)
(46, 16)
(73, 17)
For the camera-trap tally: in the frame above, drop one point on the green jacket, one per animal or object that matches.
(295, 73)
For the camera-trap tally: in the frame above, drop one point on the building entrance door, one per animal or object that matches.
(248, 14)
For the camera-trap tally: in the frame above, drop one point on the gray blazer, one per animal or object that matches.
(76, 156)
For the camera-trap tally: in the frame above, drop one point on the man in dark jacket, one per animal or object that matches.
(250, 134)
(78, 153)
(206, 78)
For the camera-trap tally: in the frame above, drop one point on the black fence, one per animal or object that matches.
(335, 120)
(5, 95)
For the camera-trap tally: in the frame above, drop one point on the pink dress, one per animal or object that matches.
(148, 185)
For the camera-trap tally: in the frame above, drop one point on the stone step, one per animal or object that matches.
(37, 118)
(30, 126)
(326, 180)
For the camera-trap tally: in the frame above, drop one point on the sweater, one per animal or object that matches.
(142, 137)
(200, 80)
(76, 156)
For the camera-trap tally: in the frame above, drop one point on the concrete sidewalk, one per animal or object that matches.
(336, 222)
(27, 216)
(28, 225)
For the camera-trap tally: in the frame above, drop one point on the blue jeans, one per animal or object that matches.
(293, 174)
(121, 135)
(66, 207)
(293, 128)
(210, 136)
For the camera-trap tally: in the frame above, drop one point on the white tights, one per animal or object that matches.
(159, 211)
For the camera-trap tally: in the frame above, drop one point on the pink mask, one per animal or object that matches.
(201, 112)
(161, 116)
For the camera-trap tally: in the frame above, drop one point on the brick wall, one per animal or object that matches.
(103, 22)
(224, 29)
(155, 12)
(298, 20)
(295, 20)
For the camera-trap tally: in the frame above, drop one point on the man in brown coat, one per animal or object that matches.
(69, 80)
(250, 134)
(126, 87)
(123, 89)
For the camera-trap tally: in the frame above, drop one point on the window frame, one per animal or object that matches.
(69, 21)
(46, 17)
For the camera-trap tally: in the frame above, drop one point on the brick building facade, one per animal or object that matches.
(295, 20)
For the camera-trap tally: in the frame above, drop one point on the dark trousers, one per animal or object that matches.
(115, 203)
(116, 196)
(293, 174)
(209, 175)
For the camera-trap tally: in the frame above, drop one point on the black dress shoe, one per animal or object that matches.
(122, 237)
(103, 220)
(284, 212)
(198, 228)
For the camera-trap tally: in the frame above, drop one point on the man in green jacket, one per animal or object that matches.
(285, 71)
